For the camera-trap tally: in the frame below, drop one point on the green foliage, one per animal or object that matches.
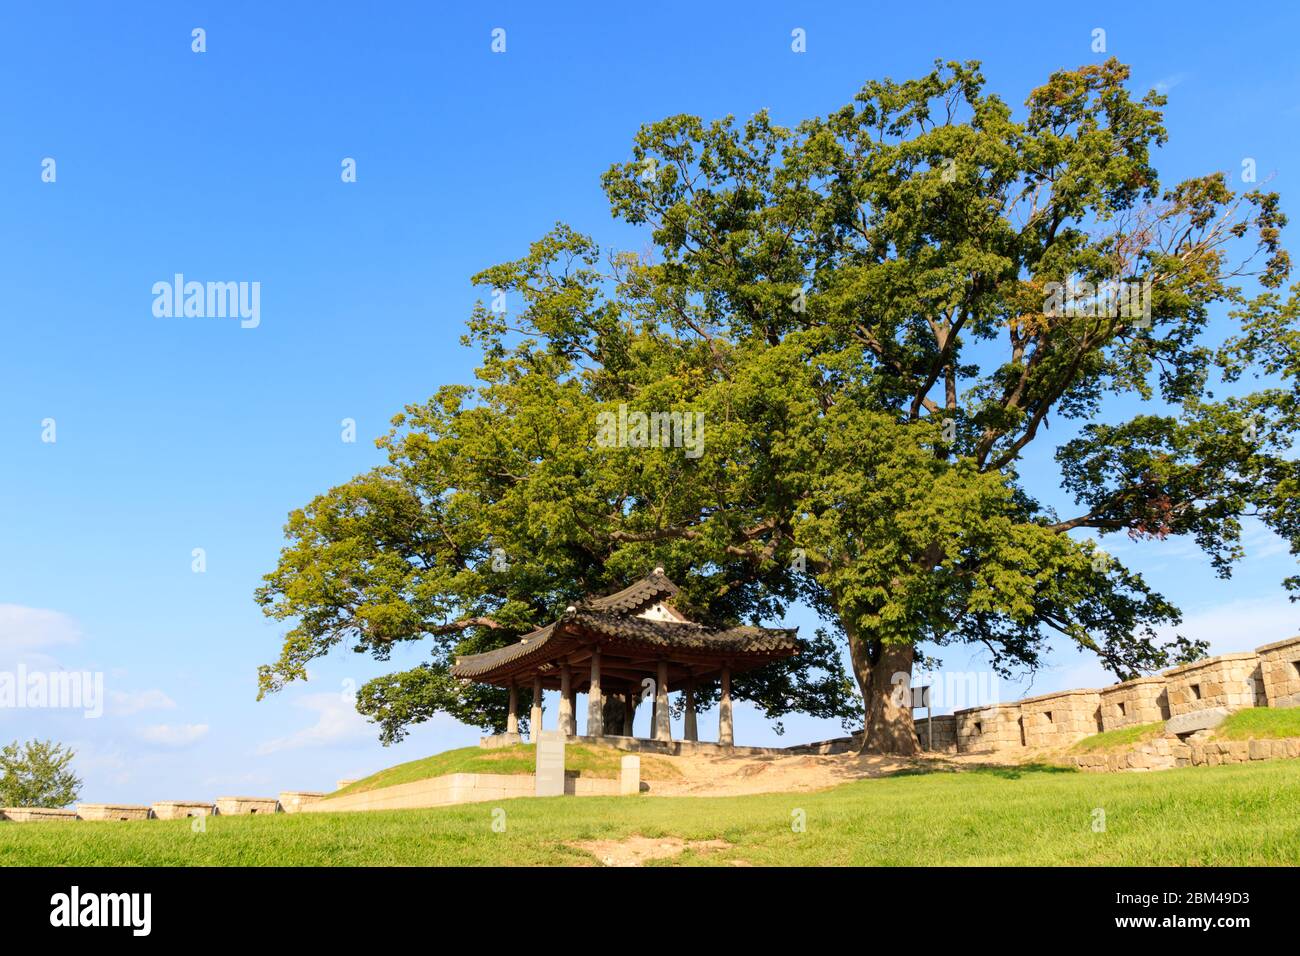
(860, 307)
(36, 774)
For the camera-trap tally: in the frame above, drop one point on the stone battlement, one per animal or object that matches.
(1267, 677)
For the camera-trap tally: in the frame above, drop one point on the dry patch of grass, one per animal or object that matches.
(638, 850)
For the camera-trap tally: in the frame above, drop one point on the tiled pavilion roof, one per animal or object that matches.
(619, 624)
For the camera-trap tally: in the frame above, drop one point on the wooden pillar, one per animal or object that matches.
(689, 730)
(595, 702)
(725, 736)
(512, 715)
(535, 717)
(568, 721)
(663, 728)
(629, 711)
(573, 710)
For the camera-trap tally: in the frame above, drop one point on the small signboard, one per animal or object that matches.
(550, 764)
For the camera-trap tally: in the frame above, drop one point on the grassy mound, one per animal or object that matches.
(580, 760)
(1260, 722)
(1242, 814)
(1121, 739)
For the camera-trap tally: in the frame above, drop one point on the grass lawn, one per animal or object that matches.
(579, 761)
(1120, 739)
(1260, 722)
(1229, 815)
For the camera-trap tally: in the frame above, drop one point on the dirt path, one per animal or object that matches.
(715, 776)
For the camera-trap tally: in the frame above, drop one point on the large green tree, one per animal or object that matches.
(878, 313)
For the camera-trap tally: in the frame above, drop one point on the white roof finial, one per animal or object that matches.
(659, 570)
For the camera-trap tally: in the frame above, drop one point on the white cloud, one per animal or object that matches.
(123, 703)
(106, 766)
(1242, 625)
(25, 629)
(1261, 541)
(237, 779)
(1165, 84)
(173, 735)
(337, 721)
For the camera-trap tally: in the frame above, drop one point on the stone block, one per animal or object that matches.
(36, 814)
(245, 806)
(1195, 720)
(592, 787)
(292, 801)
(1060, 719)
(994, 728)
(1229, 680)
(1279, 665)
(179, 809)
(1143, 700)
(112, 811)
(629, 779)
(937, 734)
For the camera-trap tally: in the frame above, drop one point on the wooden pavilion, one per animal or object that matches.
(609, 645)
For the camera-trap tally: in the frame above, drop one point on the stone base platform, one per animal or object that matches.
(456, 788)
(1164, 753)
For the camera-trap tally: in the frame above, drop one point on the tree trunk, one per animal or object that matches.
(614, 711)
(888, 728)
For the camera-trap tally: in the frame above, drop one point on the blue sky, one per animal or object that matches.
(174, 434)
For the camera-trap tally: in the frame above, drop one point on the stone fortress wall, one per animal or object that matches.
(1267, 677)
(290, 801)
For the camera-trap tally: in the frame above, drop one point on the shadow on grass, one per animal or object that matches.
(1002, 771)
